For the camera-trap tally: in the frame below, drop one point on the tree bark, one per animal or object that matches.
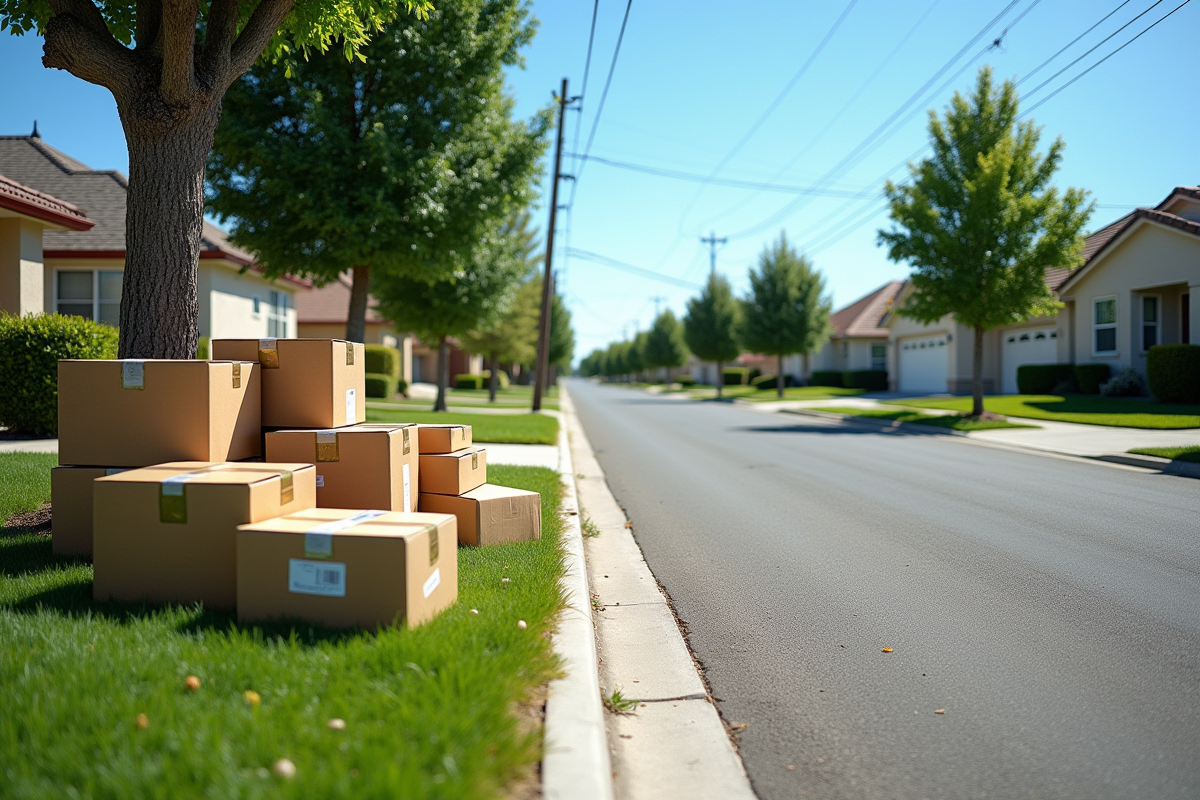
(720, 379)
(356, 320)
(493, 377)
(779, 379)
(977, 377)
(443, 374)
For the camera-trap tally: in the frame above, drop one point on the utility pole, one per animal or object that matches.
(543, 348)
(712, 241)
(658, 299)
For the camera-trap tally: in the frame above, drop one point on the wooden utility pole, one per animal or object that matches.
(543, 349)
(712, 241)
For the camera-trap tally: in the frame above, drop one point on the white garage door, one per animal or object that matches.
(1027, 346)
(924, 365)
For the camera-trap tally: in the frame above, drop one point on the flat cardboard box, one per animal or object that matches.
(341, 568)
(362, 466)
(168, 533)
(444, 438)
(71, 500)
(490, 514)
(306, 383)
(134, 413)
(453, 473)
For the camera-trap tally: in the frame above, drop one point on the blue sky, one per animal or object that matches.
(694, 80)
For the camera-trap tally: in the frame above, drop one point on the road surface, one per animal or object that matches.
(1051, 608)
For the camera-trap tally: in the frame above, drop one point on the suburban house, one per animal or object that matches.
(859, 338)
(1133, 291)
(62, 249)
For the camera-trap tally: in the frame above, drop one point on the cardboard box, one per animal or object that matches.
(444, 438)
(169, 532)
(453, 473)
(71, 500)
(306, 383)
(137, 413)
(362, 466)
(342, 568)
(490, 514)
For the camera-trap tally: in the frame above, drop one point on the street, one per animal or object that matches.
(1051, 608)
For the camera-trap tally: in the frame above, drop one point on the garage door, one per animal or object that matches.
(924, 365)
(1027, 346)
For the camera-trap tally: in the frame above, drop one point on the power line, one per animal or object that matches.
(587, 68)
(596, 258)
(604, 94)
(1071, 44)
(664, 172)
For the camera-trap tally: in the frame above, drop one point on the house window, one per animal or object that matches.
(1104, 326)
(879, 357)
(277, 321)
(257, 305)
(92, 294)
(1149, 322)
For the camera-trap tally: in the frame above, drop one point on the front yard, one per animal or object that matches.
(1190, 454)
(515, 428)
(1084, 409)
(771, 395)
(956, 422)
(445, 710)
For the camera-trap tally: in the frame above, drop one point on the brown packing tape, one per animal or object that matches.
(349, 354)
(327, 446)
(433, 545)
(407, 444)
(237, 374)
(172, 492)
(474, 460)
(287, 491)
(268, 353)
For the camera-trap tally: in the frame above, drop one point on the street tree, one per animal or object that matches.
(785, 312)
(711, 324)
(980, 223)
(665, 347)
(635, 355)
(168, 66)
(562, 335)
(386, 162)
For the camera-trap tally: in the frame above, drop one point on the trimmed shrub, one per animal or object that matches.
(1043, 378)
(502, 382)
(769, 382)
(402, 387)
(1173, 372)
(686, 381)
(755, 373)
(202, 349)
(736, 376)
(382, 360)
(826, 377)
(380, 385)
(1126, 383)
(873, 380)
(468, 382)
(30, 348)
(1090, 376)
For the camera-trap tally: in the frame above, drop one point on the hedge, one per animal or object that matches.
(768, 382)
(383, 360)
(468, 382)
(1043, 378)
(380, 385)
(872, 380)
(30, 348)
(502, 382)
(1173, 372)
(1090, 376)
(826, 377)
(686, 381)
(202, 349)
(736, 376)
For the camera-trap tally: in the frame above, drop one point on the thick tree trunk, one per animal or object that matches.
(720, 379)
(356, 319)
(164, 218)
(977, 376)
(493, 377)
(443, 374)
(779, 379)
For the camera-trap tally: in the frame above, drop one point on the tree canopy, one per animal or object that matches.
(711, 325)
(665, 347)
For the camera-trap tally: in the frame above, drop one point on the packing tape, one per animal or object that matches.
(133, 374)
(172, 500)
(287, 488)
(349, 354)
(318, 543)
(475, 460)
(268, 353)
(237, 374)
(433, 545)
(327, 446)
(407, 444)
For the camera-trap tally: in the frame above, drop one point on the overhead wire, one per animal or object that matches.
(1071, 43)
(631, 268)
(664, 172)
(612, 68)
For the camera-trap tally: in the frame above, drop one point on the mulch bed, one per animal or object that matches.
(29, 522)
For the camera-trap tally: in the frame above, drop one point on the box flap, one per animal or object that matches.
(395, 524)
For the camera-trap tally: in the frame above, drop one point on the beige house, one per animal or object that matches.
(67, 254)
(859, 339)
(1132, 292)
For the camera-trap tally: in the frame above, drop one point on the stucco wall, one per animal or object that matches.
(21, 281)
(227, 305)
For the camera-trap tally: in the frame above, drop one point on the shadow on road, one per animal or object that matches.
(841, 429)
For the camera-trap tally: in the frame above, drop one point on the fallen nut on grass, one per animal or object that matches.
(284, 768)
(940, 711)
(504, 580)
(336, 724)
(143, 721)
(252, 697)
(521, 624)
(192, 683)
(887, 649)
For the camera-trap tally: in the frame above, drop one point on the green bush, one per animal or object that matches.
(686, 381)
(202, 349)
(502, 382)
(1173, 372)
(736, 376)
(826, 377)
(468, 382)
(1090, 376)
(769, 382)
(383, 360)
(872, 380)
(1043, 378)
(402, 387)
(380, 385)
(30, 348)
(755, 372)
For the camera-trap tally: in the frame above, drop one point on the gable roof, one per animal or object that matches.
(330, 304)
(32, 203)
(865, 316)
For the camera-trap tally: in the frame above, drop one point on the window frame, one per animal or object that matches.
(95, 273)
(277, 314)
(1158, 312)
(880, 359)
(1114, 326)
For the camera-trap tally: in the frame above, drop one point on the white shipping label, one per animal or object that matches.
(351, 407)
(320, 481)
(434, 581)
(133, 374)
(407, 490)
(316, 577)
(347, 522)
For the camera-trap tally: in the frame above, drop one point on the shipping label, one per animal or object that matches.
(432, 583)
(324, 578)
(318, 545)
(133, 374)
(351, 408)
(320, 481)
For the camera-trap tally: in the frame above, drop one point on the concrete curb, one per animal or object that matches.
(575, 763)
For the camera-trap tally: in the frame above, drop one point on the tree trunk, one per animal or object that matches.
(493, 378)
(977, 377)
(164, 217)
(356, 319)
(443, 374)
(720, 379)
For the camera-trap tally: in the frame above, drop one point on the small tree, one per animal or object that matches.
(980, 223)
(710, 327)
(664, 343)
(635, 355)
(784, 312)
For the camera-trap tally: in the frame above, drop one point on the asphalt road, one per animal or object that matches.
(1050, 607)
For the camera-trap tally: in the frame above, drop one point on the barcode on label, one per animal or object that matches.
(315, 577)
(320, 481)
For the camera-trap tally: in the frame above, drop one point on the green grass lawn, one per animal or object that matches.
(1191, 454)
(770, 395)
(956, 422)
(514, 397)
(496, 428)
(24, 482)
(429, 712)
(1084, 409)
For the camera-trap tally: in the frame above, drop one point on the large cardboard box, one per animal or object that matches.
(306, 383)
(453, 473)
(490, 514)
(169, 532)
(71, 500)
(137, 413)
(342, 568)
(362, 466)
(444, 438)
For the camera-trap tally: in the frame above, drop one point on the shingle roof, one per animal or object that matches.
(330, 304)
(32, 203)
(864, 317)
